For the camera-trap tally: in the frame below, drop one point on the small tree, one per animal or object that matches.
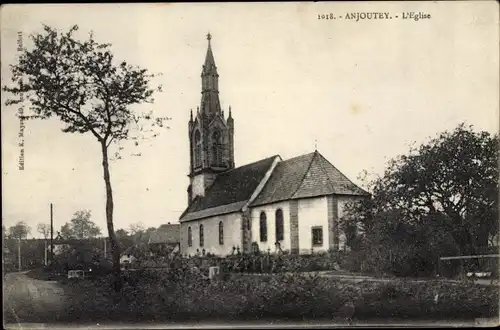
(136, 228)
(43, 229)
(82, 84)
(20, 230)
(80, 226)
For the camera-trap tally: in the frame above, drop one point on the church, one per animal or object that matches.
(279, 204)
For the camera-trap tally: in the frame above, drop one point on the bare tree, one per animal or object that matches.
(136, 228)
(137, 231)
(43, 229)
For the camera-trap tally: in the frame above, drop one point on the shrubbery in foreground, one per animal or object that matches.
(158, 296)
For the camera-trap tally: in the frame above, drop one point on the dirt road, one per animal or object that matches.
(31, 300)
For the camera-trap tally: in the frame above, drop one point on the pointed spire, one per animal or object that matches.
(191, 115)
(209, 66)
(230, 119)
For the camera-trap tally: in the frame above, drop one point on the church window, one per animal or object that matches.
(279, 225)
(197, 149)
(217, 148)
(190, 237)
(317, 236)
(221, 233)
(202, 237)
(263, 227)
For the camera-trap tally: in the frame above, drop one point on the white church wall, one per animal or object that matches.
(270, 211)
(200, 183)
(312, 213)
(232, 235)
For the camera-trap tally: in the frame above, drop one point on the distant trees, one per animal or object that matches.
(440, 199)
(43, 229)
(139, 233)
(80, 226)
(19, 231)
(136, 228)
(121, 233)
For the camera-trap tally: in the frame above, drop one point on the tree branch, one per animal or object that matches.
(79, 114)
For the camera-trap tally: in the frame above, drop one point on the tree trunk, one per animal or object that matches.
(115, 248)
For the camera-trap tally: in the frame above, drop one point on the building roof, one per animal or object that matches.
(131, 250)
(230, 191)
(309, 175)
(166, 234)
(305, 176)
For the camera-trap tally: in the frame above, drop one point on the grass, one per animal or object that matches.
(167, 296)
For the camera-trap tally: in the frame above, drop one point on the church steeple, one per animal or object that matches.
(209, 66)
(210, 133)
(210, 104)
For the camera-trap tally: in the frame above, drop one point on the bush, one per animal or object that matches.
(167, 295)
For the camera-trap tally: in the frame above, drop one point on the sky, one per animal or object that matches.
(360, 92)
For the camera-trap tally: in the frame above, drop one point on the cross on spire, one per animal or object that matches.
(209, 37)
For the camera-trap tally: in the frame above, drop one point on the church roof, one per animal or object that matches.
(305, 176)
(230, 191)
(166, 234)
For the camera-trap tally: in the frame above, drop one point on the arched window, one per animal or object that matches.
(263, 227)
(279, 225)
(197, 148)
(190, 237)
(202, 237)
(221, 233)
(217, 148)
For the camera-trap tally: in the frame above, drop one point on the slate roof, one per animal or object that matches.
(229, 191)
(305, 176)
(166, 234)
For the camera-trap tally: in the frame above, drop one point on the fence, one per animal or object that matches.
(462, 265)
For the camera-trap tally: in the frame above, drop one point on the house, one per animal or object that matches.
(165, 239)
(129, 256)
(292, 205)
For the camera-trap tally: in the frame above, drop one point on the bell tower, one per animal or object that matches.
(211, 135)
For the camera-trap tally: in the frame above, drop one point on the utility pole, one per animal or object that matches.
(51, 234)
(45, 241)
(104, 247)
(19, 254)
